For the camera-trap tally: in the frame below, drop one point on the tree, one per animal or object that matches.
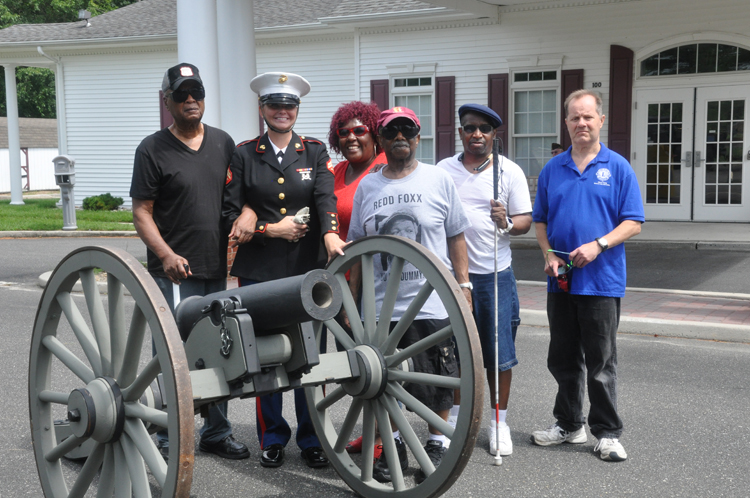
(36, 86)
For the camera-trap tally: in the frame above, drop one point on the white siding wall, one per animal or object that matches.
(582, 35)
(328, 64)
(41, 169)
(112, 103)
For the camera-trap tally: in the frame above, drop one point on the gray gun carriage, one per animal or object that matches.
(95, 370)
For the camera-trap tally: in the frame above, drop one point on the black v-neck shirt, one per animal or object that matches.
(187, 187)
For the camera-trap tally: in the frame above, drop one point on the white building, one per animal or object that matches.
(674, 74)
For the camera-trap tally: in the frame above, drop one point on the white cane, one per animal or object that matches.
(495, 166)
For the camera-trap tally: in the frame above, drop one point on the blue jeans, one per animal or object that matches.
(216, 427)
(508, 317)
(583, 350)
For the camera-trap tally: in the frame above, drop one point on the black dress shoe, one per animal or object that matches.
(315, 457)
(226, 448)
(272, 456)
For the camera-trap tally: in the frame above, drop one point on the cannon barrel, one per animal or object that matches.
(316, 295)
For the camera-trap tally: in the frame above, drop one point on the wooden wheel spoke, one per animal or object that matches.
(109, 474)
(116, 305)
(123, 486)
(389, 447)
(425, 379)
(389, 300)
(410, 437)
(74, 364)
(54, 397)
(144, 380)
(340, 334)
(419, 408)
(88, 472)
(132, 355)
(333, 397)
(136, 468)
(368, 297)
(368, 441)
(147, 449)
(348, 426)
(407, 318)
(419, 346)
(351, 310)
(98, 318)
(147, 414)
(68, 445)
(81, 330)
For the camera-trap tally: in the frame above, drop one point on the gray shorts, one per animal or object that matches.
(439, 360)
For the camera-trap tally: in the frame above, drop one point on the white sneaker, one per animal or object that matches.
(611, 450)
(555, 434)
(506, 443)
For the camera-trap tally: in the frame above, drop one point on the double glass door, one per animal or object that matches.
(692, 153)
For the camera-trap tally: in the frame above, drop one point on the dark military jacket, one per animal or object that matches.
(273, 191)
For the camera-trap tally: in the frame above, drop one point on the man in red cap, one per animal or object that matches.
(419, 201)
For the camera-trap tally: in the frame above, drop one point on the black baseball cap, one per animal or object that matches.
(177, 75)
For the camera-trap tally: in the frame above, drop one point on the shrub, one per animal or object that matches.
(103, 202)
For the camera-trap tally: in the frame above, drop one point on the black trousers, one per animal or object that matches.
(583, 350)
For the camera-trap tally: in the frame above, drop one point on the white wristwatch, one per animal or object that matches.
(467, 285)
(508, 228)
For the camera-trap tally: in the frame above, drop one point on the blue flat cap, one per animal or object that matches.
(483, 110)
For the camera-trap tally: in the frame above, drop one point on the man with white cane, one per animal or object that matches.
(495, 196)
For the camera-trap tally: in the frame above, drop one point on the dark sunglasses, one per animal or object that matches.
(278, 107)
(180, 96)
(391, 131)
(484, 128)
(359, 131)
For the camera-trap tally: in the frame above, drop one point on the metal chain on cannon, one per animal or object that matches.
(226, 341)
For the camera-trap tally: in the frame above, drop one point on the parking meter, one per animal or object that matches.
(65, 177)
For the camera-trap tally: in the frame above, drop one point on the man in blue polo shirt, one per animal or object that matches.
(587, 204)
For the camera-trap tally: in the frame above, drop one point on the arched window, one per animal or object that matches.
(697, 58)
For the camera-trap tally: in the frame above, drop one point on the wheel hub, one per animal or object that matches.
(373, 377)
(97, 411)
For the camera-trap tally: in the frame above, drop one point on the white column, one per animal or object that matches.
(236, 49)
(14, 140)
(196, 44)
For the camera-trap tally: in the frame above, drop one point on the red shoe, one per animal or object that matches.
(354, 446)
(378, 451)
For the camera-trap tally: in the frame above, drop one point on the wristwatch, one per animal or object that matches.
(508, 228)
(603, 243)
(467, 285)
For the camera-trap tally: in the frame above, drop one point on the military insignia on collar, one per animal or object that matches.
(262, 147)
(283, 78)
(297, 146)
(305, 173)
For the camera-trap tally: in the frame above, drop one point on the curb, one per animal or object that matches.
(657, 327)
(35, 234)
(528, 243)
(42, 280)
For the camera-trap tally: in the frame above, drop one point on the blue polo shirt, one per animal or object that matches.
(579, 207)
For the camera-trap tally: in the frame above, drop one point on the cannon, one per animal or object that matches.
(94, 369)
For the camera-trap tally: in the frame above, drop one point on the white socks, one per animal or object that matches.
(439, 437)
(454, 411)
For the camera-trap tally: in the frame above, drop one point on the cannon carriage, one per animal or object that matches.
(95, 369)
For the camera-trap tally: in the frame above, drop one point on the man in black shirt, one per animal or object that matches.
(178, 180)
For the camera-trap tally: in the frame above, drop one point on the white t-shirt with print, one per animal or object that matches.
(423, 206)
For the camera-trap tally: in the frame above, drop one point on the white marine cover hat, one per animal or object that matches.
(280, 88)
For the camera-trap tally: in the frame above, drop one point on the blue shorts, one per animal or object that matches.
(508, 317)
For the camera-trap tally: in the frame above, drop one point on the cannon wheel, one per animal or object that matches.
(98, 377)
(375, 404)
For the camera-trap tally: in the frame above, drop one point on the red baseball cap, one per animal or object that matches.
(397, 112)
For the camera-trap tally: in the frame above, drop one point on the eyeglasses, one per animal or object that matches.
(484, 128)
(180, 96)
(277, 107)
(359, 131)
(407, 130)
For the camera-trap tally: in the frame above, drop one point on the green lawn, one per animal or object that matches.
(42, 214)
